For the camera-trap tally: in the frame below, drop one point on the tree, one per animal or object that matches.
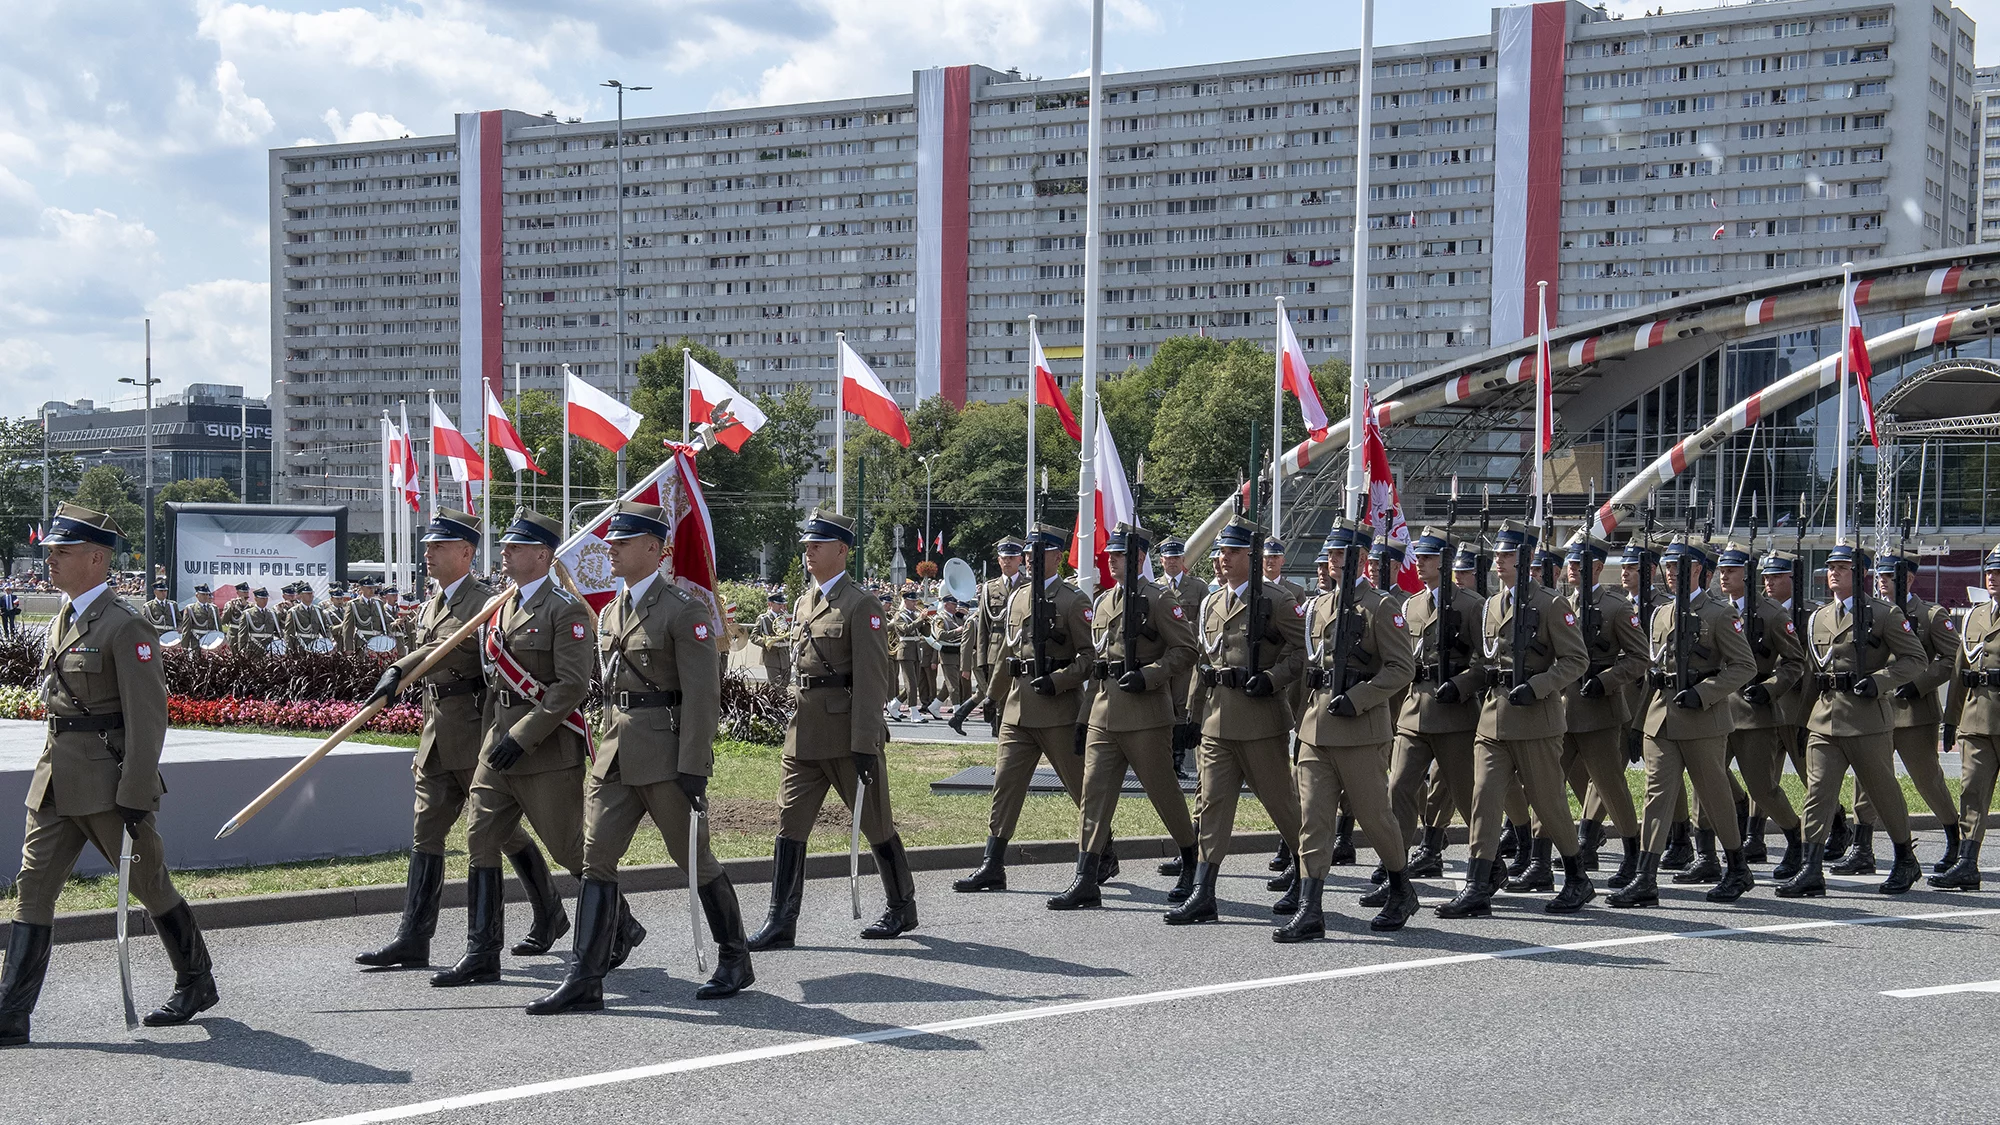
(21, 481)
(198, 490)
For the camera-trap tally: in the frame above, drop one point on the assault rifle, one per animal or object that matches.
(1133, 622)
(1038, 620)
(1753, 615)
(1254, 601)
(1683, 593)
(1525, 626)
(1480, 559)
(1447, 613)
(1346, 633)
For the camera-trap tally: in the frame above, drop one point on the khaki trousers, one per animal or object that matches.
(1412, 761)
(1601, 756)
(802, 787)
(1760, 755)
(1356, 777)
(52, 843)
(778, 668)
(1021, 749)
(1979, 763)
(441, 796)
(1705, 762)
(552, 802)
(1224, 765)
(1918, 748)
(1439, 797)
(1150, 753)
(611, 813)
(916, 687)
(954, 682)
(1497, 764)
(1829, 757)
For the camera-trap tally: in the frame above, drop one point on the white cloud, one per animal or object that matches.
(366, 125)
(213, 332)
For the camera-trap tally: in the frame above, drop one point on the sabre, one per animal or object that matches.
(854, 847)
(698, 808)
(124, 928)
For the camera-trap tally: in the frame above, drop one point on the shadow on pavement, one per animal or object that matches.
(753, 1010)
(241, 1047)
(930, 947)
(881, 988)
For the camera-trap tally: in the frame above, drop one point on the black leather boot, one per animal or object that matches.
(1379, 875)
(1309, 920)
(21, 982)
(1840, 836)
(582, 988)
(1289, 901)
(1680, 846)
(423, 889)
(991, 874)
(1963, 876)
(1284, 857)
(788, 888)
(550, 921)
(899, 887)
(1707, 867)
(1524, 852)
(1509, 844)
(1576, 892)
(1788, 864)
(1107, 862)
(1644, 889)
(627, 936)
(1172, 867)
(194, 982)
(1861, 858)
(1904, 872)
(1378, 895)
(1753, 839)
(1283, 880)
(1184, 886)
(1343, 841)
(1628, 867)
(732, 950)
(1538, 875)
(1199, 906)
(1742, 820)
(1589, 837)
(1810, 881)
(1427, 858)
(1475, 900)
(1951, 846)
(1736, 878)
(485, 933)
(1401, 907)
(1082, 889)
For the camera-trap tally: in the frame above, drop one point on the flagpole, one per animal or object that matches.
(565, 455)
(1357, 315)
(1034, 392)
(432, 399)
(1541, 399)
(1278, 423)
(1840, 441)
(486, 506)
(517, 429)
(687, 399)
(388, 535)
(1086, 480)
(840, 423)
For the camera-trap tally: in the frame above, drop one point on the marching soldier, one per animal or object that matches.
(836, 735)
(162, 612)
(99, 775)
(454, 700)
(1440, 715)
(773, 637)
(307, 623)
(948, 629)
(1852, 724)
(663, 701)
(1239, 697)
(914, 697)
(1795, 705)
(1039, 694)
(1761, 723)
(532, 762)
(1595, 708)
(1187, 591)
(1285, 860)
(1131, 718)
(1344, 738)
(1521, 728)
(1687, 724)
(256, 627)
(987, 632)
(1974, 709)
(199, 617)
(365, 620)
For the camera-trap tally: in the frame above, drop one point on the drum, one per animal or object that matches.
(215, 640)
(170, 638)
(320, 644)
(275, 646)
(381, 643)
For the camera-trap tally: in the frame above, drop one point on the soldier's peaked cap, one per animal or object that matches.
(1173, 547)
(1776, 562)
(76, 524)
(1433, 541)
(633, 519)
(1515, 535)
(822, 526)
(1690, 549)
(1992, 560)
(1889, 562)
(533, 529)
(1124, 536)
(1011, 545)
(1585, 549)
(1238, 532)
(449, 525)
(1735, 554)
(1345, 533)
(1048, 536)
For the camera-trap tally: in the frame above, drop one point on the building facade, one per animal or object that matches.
(207, 431)
(1623, 160)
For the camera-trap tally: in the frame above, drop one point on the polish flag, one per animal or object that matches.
(466, 463)
(1295, 375)
(863, 394)
(403, 459)
(1113, 504)
(711, 399)
(1047, 392)
(1855, 356)
(1385, 506)
(595, 416)
(501, 432)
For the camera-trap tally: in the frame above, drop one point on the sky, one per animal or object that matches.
(133, 133)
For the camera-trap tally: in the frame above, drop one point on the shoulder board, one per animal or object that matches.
(125, 603)
(556, 588)
(675, 589)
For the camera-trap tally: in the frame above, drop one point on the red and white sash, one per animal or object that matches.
(528, 687)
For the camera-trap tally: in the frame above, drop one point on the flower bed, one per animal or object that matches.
(307, 715)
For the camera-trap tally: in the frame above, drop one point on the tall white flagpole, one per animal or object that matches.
(1034, 392)
(687, 395)
(486, 504)
(1541, 399)
(517, 429)
(840, 423)
(1086, 480)
(1840, 441)
(1357, 307)
(388, 488)
(432, 400)
(1278, 424)
(565, 416)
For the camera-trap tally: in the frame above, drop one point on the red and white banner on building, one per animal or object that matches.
(944, 145)
(1527, 162)
(480, 342)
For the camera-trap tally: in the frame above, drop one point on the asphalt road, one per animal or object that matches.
(997, 1009)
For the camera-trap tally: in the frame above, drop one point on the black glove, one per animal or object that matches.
(505, 754)
(1591, 688)
(1133, 681)
(1447, 692)
(864, 768)
(132, 817)
(1043, 685)
(695, 787)
(1082, 736)
(1522, 695)
(390, 683)
(1343, 706)
(1258, 685)
(1907, 693)
(1757, 694)
(1865, 687)
(1688, 698)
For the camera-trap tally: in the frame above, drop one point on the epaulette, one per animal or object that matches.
(560, 591)
(125, 603)
(675, 589)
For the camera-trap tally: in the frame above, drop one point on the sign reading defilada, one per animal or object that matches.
(220, 545)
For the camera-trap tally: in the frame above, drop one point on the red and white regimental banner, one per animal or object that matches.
(480, 320)
(1527, 164)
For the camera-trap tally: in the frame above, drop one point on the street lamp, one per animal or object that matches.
(148, 384)
(620, 338)
(927, 461)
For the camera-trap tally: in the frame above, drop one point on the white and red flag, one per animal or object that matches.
(1295, 375)
(1113, 505)
(501, 432)
(403, 460)
(676, 488)
(595, 416)
(1854, 353)
(1385, 505)
(862, 393)
(1047, 391)
(712, 400)
(465, 462)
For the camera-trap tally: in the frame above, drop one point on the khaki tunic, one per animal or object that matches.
(986, 632)
(255, 630)
(1975, 710)
(1524, 741)
(1761, 735)
(549, 635)
(844, 635)
(1344, 760)
(1430, 732)
(363, 620)
(1680, 739)
(1595, 740)
(773, 637)
(1916, 734)
(197, 619)
(1135, 728)
(949, 631)
(163, 614)
(305, 624)
(1243, 737)
(1036, 727)
(1188, 592)
(1847, 731)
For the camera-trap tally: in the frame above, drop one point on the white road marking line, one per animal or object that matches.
(1944, 989)
(1051, 1011)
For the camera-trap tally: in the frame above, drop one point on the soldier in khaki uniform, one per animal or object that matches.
(1687, 723)
(256, 627)
(239, 603)
(914, 694)
(454, 697)
(1440, 714)
(161, 611)
(1285, 860)
(773, 637)
(1344, 738)
(986, 633)
(1239, 699)
(1974, 708)
(1187, 591)
(99, 775)
(1761, 727)
(1521, 727)
(1040, 703)
(199, 617)
(658, 652)
(1794, 705)
(364, 620)
(1595, 708)
(1852, 724)
(532, 759)
(307, 626)
(1131, 718)
(836, 735)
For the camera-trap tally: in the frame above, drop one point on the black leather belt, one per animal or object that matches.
(1018, 667)
(1225, 677)
(949, 650)
(1980, 677)
(1426, 673)
(1672, 679)
(1317, 678)
(641, 700)
(1834, 681)
(505, 698)
(811, 682)
(1109, 669)
(62, 724)
(450, 688)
